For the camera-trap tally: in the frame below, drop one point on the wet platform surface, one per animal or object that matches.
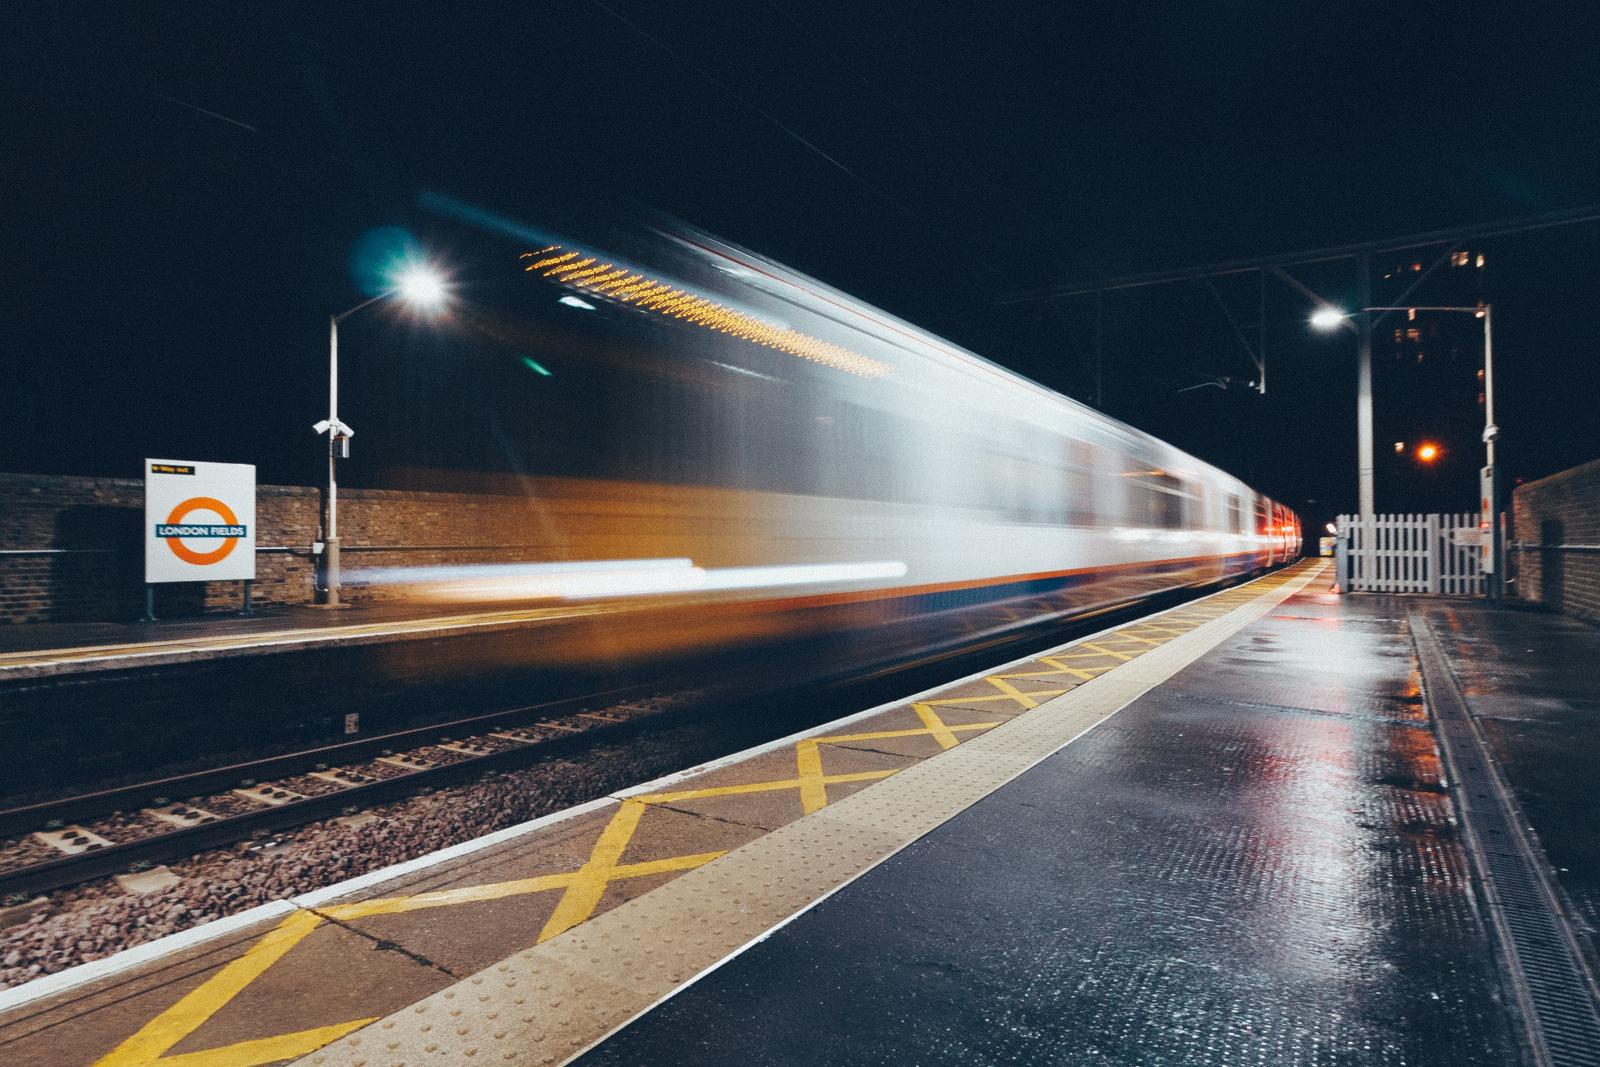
(1254, 863)
(1218, 835)
(1532, 681)
(45, 649)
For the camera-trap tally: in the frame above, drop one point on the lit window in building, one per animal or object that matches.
(1414, 334)
(1459, 259)
(1480, 259)
(1411, 314)
(1480, 374)
(1416, 268)
(1399, 446)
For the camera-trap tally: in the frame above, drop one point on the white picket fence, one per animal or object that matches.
(1411, 554)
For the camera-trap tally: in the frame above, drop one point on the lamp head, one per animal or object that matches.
(422, 286)
(1327, 317)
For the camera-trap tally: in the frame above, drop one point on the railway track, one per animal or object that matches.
(77, 839)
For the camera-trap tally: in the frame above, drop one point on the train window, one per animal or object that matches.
(1022, 491)
(1158, 500)
(1171, 503)
(1078, 485)
(1235, 514)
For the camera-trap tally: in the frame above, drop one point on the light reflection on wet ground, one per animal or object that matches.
(1532, 680)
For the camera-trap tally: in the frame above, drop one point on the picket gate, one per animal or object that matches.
(1411, 554)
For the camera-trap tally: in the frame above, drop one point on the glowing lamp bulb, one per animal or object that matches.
(1428, 453)
(421, 286)
(1327, 317)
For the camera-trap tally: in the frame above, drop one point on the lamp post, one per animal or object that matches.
(1328, 317)
(420, 286)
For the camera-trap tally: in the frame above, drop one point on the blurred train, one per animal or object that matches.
(720, 450)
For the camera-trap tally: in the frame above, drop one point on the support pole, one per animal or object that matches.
(245, 608)
(1099, 352)
(1364, 461)
(1495, 584)
(330, 551)
(1261, 332)
(149, 603)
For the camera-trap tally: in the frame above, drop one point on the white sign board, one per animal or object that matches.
(1486, 495)
(199, 521)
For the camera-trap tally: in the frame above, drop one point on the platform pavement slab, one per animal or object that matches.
(1531, 679)
(1210, 877)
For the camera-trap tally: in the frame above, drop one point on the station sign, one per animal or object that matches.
(199, 521)
(1486, 509)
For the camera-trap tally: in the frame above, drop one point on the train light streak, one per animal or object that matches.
(591, 580)
(611, 282)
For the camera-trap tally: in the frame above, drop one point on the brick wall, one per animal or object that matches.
(1563, 509)
(100, 520)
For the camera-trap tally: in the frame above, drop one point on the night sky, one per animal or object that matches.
(184, 186)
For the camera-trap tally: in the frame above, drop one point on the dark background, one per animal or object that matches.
(184, 183)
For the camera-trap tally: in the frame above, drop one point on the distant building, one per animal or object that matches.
(1428, 383)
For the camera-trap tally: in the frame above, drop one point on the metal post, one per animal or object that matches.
(1261, 332)
(149, 603)
(330, 528)
(1099, 352)
(1364, 383)
(245, 609)
(1490, 432)
(1341, 557)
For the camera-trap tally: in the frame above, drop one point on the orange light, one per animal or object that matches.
(1428, 453)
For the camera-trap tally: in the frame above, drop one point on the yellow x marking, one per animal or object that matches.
(155, 1038)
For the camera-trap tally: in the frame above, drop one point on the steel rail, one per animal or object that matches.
(24, 818)
(180, 843)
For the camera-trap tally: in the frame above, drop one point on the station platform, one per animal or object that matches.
(1224, 834)
(43, 650)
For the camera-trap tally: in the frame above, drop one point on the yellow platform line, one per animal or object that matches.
(1111, 652)
(999, 682)
(201, 642)
(589, 882)
(808, 767)
(936, 726)
(200, 1004)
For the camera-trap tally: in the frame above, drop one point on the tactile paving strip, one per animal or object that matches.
(548, 1003)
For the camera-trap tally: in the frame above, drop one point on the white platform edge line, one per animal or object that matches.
(95, 970)
(1289, 589)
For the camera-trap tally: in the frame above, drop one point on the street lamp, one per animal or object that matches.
(1328, 317)
(422, 287)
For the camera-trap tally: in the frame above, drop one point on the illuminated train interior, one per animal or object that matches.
(736, 452)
